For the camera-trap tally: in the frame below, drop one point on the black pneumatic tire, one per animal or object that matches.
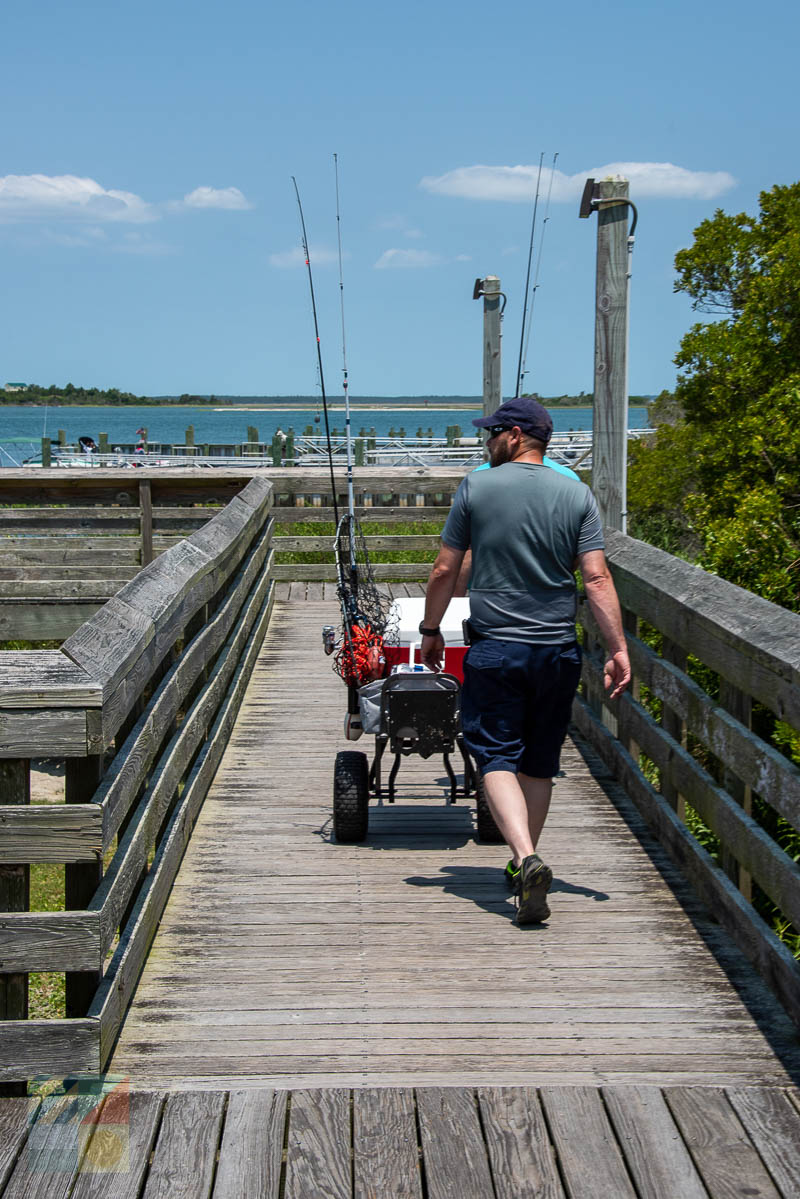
(487, 829)
(350, 796)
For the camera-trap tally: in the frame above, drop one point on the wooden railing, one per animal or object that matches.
(138, 703)
(68, 542)
(705, 656)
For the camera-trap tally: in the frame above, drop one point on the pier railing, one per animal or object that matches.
(696, 746)
(138, 704)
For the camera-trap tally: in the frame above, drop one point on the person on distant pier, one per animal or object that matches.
(527, 527)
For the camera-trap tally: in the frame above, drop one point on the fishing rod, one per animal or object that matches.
(524, 372)
(319, 350)
(528, 279)
(345, 385)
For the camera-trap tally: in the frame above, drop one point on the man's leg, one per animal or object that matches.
(537, 794)
(512, 812)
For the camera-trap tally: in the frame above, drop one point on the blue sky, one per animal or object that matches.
(148, 228)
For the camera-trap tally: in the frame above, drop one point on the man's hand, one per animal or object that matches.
(617, 673)
(432, 652)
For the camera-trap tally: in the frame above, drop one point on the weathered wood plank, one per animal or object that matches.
(522, 1159)
(50, 833)
(50, 941)
(654, 1151)
(16, 1118)
(720, 1147)
(318, 1145)
(366, 516)
(591, 1162)
(452, 1144)
(385, 1158)
(42, 733)
(47, 620)
(773, 1125)
(53, 1048)
(407, 541)
(252, 1144)
(184, 1157)
(327, 572)
(118, 1150)
(57, 588)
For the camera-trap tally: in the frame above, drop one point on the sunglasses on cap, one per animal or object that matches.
(493, 430)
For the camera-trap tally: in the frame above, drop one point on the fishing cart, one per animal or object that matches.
(410, 710)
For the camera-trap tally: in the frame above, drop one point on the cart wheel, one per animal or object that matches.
(487, 829)
(350, 796)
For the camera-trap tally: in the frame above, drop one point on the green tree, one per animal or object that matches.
(720, 481)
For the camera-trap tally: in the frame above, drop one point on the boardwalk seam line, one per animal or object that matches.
(479, 1112)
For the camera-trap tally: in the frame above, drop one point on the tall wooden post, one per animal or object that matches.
(492, 373)
(15, 788)
(610, 438)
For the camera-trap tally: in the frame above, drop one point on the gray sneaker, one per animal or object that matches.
(535, 881)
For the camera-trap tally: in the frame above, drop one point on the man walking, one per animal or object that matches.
(527, 527)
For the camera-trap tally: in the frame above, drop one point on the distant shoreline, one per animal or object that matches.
(381, 405)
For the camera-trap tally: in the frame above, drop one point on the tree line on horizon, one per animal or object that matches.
(34, 393)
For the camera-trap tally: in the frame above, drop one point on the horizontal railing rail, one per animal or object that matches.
(138, 704)
(706, 655)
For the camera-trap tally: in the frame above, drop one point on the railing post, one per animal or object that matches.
(740, 706)
(610, 415)
(15, 788)
(492, 362)
(146, 520)
(673, 724)
(630, 623)
(81, 879)
(47, 451)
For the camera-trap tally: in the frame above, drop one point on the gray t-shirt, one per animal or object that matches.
(526, 525)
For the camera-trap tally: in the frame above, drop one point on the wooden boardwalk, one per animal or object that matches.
(287, 961)
(429, 1143)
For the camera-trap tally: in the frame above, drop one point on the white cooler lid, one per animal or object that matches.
(410, 610)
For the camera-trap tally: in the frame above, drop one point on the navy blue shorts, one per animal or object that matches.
(516, 704)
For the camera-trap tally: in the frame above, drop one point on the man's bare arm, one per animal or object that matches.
(604, 604)
(441, 586)
(464, 573)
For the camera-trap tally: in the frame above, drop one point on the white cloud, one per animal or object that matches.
(216, 197)
(518, 184)
(399, 224)
(287, 259)
(46, 197)
(390, 259)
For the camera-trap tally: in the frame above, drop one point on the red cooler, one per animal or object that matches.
(408, 612)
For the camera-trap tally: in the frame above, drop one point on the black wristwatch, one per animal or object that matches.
(429, 632)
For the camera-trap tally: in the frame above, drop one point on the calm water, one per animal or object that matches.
(167, 425)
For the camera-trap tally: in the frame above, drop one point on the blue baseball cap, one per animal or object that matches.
(527, 414)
